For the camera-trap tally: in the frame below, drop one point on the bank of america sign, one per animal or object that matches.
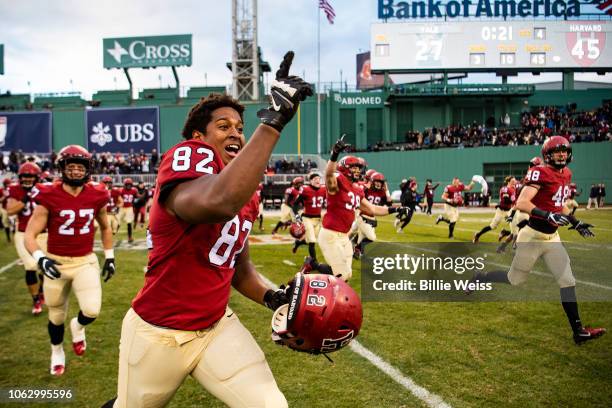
(164, 50)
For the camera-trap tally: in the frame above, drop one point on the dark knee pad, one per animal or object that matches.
(31, 278)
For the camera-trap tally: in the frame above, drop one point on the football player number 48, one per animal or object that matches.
(559, 197)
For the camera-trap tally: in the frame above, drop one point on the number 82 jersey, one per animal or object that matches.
(190, 268)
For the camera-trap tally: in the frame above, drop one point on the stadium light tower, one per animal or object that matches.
(245, 55)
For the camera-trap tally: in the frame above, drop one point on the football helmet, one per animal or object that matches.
(553, 145)
(323, 315)
(28, 174)
(298, 181)
(128, 182)
(536, 161)
(368, 174)
(6, 182)
(378, 181)
(297, 230)
(74, 154)
(348, 163)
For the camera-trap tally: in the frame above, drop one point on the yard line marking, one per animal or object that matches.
(430, 399)
(288, 262)
(9, 266)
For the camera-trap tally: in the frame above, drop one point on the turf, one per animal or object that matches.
(470, 354)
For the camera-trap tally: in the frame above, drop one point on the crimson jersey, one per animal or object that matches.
(454, 193)
(128, 195)
(314, 198)
(71, 218)
(4, 192)
(507, 198)
(258, 191)
(553, 190)
(291, 194)
(113, 199)
(342, 205)
(190, 268)
(17, 192)
(573, 191)
(376, 197)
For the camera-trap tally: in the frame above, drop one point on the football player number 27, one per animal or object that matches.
(222, 249)
(67, 229)
(181, 160)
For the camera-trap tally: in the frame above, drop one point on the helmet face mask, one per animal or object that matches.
(69, 160)
(324, 314)
(352, 167)
(557, 152)
(29, 174)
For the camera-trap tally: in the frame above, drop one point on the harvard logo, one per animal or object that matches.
(585, 47)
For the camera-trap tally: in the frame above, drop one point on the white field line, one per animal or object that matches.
(428, 398)
(8, 266)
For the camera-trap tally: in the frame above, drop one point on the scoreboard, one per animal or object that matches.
(492, 46)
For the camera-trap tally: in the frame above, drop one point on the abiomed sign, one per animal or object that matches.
(140, 52)
(477, 8)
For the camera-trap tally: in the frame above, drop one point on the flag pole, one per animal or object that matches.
(318, 79)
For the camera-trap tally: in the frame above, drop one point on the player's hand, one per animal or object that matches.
(338, 148)
(298, 218)
(49, 267)
(557, 219)
(509, 218)
(583, 229)
(273, 299)
(286, 93)
(108, 270)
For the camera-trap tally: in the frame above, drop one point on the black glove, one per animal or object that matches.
(286, 93)
(583, 229)
(298, 218)
(26, 199)
(510, 217)
(273, 299)
(108, 270)
(338, 148)
(557, 219)
(49, 268)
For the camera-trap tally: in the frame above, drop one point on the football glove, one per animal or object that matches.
(49, 268)
(557, 219)
(583, 229)
(273, 299)
(510, 216)
(298, 218)
(286, 93)
(26, 199)
(108, 270)
(338, 148)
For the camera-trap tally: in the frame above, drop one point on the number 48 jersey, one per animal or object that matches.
(553, 189)
(190, 268)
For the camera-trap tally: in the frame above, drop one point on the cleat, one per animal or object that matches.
(357, 253)
(396, 222)
(79, 344)
(307, 266)
(501, 249)
(41, 297)
(399, 230)
(438, 219)
(58, 360)
(475, 238)
(502, 234)
(37, 308)
(588, 333)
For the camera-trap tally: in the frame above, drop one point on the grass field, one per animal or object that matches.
(470, 354)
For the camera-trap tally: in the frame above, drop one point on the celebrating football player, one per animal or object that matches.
(409, 200)
(343, 197)
(507, 198)
(115, 201)
(377, 194)
(67, 210)
(21, 203)
(543, 196)
(312, 197)
(290, 205)
(4, 217)
(452, 199)
(126, 211)
(203, 210)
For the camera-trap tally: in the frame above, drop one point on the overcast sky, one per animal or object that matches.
(56, 45)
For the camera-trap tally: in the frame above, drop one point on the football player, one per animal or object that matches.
(290, 205)
(571, 202)
(343, 197)
(67, 209)
(452, 199)
(126, 211)
(507, 198)
(428, 193)
(312, 197)
(140, 204)
(4, 193)
(376, 193)
(543, 196)
(261, 206)
(203, 210)
(409, 200)
(115, 201)
(21, 202)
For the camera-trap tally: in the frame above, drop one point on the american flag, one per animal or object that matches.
(329, 10)
(603, 5)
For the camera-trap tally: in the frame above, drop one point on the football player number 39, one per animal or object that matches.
(181, 160)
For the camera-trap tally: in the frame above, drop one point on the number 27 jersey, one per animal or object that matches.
(190, 268)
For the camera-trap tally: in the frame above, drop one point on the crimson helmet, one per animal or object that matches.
(536, 161)
(31, 171)
(107, 179)
(378, 177)
(6, 181)
(556, 144)
(298, 181)
(368, 174)
(297, 230)
(347, 162)
(74, 154)
(323, 315)
(128, 181)
(45, 175)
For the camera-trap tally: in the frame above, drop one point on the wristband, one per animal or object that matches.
(539, 212)
(392, 210)
(573, 220)
(38, 254)
(334, 156)
(109, 253)
(268, 296)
